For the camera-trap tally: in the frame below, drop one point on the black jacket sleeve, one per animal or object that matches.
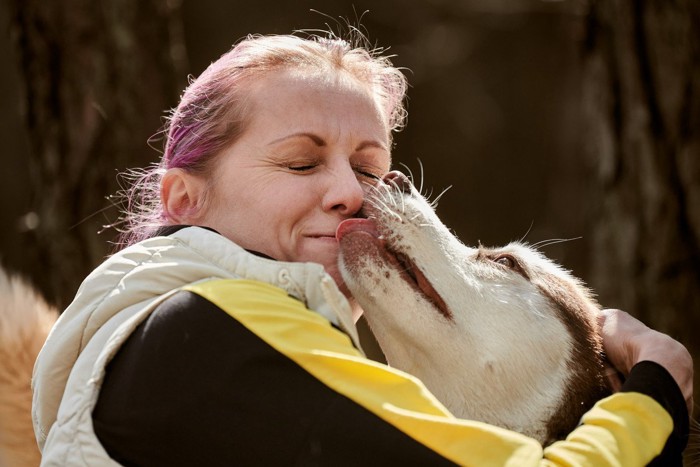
(652, 379)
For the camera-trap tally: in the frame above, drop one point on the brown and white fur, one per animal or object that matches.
(25, 321)
(503, 335)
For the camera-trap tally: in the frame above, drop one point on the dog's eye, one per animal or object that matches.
(505, 260)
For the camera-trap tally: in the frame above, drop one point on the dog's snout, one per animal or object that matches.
(399, 180)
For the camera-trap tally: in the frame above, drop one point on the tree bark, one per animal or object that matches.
(642, 103)
(97, 76)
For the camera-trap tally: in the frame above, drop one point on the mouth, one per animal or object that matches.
(405, 266)
(322, 237)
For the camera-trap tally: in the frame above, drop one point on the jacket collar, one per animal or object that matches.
(168, 230)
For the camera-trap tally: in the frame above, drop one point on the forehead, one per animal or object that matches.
(295, 94)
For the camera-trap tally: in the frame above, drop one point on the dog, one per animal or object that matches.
(499, 335)
(25, 321)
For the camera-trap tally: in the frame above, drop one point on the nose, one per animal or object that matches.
(398, 180)
(345, 194)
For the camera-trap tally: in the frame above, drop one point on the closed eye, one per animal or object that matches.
(366, 173)
(301, 168)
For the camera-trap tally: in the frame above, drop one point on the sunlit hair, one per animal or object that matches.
(212, 112)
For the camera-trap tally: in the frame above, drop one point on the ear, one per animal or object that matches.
(182, 195)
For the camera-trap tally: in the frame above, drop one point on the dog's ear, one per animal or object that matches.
(182, 194)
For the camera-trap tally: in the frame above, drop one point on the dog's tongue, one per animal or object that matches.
(356, 225)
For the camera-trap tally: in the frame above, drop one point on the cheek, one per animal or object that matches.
(262, 220)
(232, 212)
(266, 217)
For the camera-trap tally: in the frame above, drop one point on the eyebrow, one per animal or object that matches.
(320, 142)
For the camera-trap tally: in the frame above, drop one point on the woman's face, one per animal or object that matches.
(302, 166)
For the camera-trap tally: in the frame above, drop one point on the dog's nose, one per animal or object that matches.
(398, 180)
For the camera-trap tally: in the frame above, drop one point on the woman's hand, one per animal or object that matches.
(627, 341)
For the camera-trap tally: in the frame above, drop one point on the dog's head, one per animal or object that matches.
(499, 334)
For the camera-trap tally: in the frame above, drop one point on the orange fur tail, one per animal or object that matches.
(25, 321)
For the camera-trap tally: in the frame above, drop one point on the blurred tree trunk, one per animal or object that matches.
(642, 102)
(98, 76)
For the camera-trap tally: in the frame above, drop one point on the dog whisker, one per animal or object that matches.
(386, 194)
(403, 204)
(386, 202)
(434, 203)
(410, 172)
(422, 177)
(377, 206)
(381, 200)
(522, 239)
(552, 241)
(383, 207)
(395, 215)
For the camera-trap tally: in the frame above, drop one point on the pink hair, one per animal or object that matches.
(212, 110)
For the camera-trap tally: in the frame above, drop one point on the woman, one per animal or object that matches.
(234, 343)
